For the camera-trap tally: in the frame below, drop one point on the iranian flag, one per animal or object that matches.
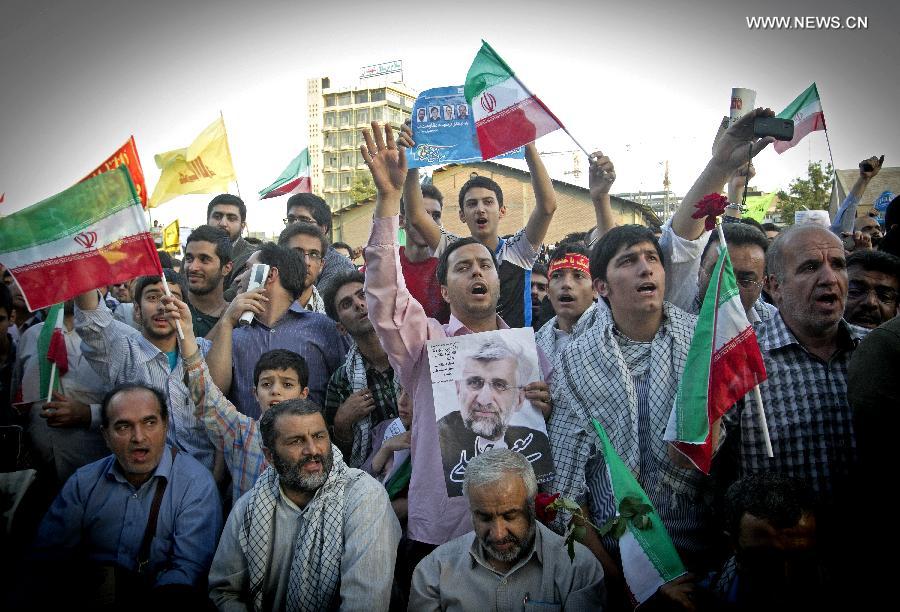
(294, 179)
(723, 363)
(92, 234)
(506, 114)
(806, 111)
(52, 346)
(649, 559)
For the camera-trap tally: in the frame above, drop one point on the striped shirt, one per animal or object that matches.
(119, 354)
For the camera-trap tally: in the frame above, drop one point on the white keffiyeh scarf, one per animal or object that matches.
(316, 563)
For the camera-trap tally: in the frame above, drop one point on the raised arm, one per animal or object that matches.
(102, 336)
(544, 198)
(398, 319)
(414, 206)
(219, 356)
(845, 218)
(601, 176)
(734, 148)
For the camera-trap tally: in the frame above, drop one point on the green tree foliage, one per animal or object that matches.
(363, 187)
(810, 193)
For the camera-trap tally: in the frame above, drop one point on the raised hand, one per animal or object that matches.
(386, 161)
(601, 174)
(737, 144)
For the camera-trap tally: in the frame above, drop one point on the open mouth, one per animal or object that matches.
(140, 454)
(566, 299)
(646, 288)
(827, 299)
(482, 222)
(479, 289)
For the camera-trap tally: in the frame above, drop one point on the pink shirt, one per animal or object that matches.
(404, 330)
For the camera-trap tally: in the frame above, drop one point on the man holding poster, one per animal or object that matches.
(491, 408)
(470, 284)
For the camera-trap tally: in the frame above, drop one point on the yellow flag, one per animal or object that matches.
(171, 242)
(204, 167)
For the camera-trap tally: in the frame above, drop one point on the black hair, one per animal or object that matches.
(172, 277)
(779, 500)
(432, 192)
(443, 261)
(307, 229)
(318, 208)
(291, 267)
(566, 248)
(770, 227)
(330, 290)
(575, 238)
(6, 299)
(892, 214)
(753, 223)
(876, 261)
(298, 407)
(282, 359)
(624, 236)
(229, 200)
(342, 245)
(124, 388)
(738, 234)
(215, 236)
(253, 240)
(480, 181)
(539, 268)
(165, 260)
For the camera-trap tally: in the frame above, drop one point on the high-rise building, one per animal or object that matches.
(337, 116)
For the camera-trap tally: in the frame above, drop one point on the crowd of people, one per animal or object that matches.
(293, 462)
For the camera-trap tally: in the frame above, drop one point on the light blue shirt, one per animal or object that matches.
(100, 513)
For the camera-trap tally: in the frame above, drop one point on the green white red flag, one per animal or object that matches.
(52, 350)
(723, 364)
(806, 112)
(506, 114)
(294, 179)
(92, 234)
(649, 559)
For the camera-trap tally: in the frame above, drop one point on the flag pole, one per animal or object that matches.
(761, 415)
(227, 146)
(52, 376)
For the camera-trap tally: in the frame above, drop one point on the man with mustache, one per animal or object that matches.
(873, 289)
(489, 394)
(509, 558)
(207, 262)
(313, 533)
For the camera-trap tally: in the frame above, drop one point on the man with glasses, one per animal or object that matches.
(747, 248)
(309, 208)
(874, 286)
(489, 394)
(307, 240)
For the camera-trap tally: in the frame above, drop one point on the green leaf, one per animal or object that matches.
(619, 529)
(608, 526)
(642, 522)
(570, 543)
(565, 504)
(579, 532)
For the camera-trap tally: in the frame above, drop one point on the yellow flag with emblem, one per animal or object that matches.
(170, 238)
(203, 167)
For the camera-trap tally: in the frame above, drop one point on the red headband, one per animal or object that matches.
(572, 261)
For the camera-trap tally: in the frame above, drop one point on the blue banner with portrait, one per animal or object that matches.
(444, 130)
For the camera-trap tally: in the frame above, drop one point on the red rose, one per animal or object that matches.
(710, 206)
(541, 501)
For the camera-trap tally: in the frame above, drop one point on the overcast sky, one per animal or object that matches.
(646, 80)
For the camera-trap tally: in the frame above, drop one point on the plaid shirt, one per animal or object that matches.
(594, 381)
(340, 387)
(805, 400)
(239, 434)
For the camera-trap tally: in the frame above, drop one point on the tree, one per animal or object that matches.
(363, 187)
(810, 193)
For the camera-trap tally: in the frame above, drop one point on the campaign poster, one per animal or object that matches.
(479, 383)
(444, 130)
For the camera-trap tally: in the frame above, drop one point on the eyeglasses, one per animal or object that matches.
(747, 283)
(476, 383)
(310, 255)
(885, 295)
(291, 219)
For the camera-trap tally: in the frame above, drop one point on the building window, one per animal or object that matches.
(329, 100)
(346, 180)
(362, 115)
(362, 96)
(394, 97)
(344, 99)
(329, 180)
(346, 159)
(347, 138)
(329, 119)
(345, 118)
(396, 116)
(332, 162)
(377, 95)
(377, 113)
(331, 139)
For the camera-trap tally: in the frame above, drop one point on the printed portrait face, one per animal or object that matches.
(489, 395)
